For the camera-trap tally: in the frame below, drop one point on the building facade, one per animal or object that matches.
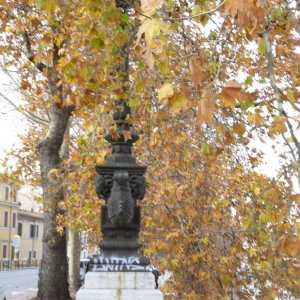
(30, 230)
(21, 224)
(9, 208)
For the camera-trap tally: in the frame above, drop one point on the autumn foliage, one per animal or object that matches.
(208, 80)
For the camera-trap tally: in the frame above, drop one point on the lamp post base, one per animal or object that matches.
(119, 286)
(119, 261)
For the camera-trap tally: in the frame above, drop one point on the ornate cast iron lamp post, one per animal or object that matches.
(121, 184)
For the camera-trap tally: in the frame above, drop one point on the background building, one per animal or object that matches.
(19, 215)
(9, 207)
(30, 229)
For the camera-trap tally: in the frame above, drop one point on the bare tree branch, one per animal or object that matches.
(291, 14)
(278, 93)
(29, 53)
(291, 148)
(25, 113)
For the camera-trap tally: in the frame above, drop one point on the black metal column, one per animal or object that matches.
(121, 184)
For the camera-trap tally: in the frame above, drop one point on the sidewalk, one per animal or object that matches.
(20, 297)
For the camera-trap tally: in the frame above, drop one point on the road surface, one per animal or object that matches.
(19, 284)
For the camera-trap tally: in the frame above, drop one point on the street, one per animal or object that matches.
(19, 284)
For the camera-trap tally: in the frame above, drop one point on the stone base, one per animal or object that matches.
(119, 286)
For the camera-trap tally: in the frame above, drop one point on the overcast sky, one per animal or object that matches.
(12, 123)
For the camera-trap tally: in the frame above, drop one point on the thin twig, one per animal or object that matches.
(198, 15)
(25, 113)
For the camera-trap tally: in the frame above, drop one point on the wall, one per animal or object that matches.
(30, 242)
(9, 205)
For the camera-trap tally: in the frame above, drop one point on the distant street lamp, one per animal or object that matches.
(121, 184)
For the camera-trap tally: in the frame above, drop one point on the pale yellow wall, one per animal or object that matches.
(27, 199)
(28, 243)
(26, 217)
(12, 197)
(7, 232)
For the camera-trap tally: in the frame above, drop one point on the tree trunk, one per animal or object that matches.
(53, 275)
(74, 262)
(73, 240)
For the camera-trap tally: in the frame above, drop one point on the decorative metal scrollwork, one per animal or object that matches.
(104, 184)
(120, 202)
(138, 187)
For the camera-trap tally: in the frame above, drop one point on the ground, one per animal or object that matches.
(19, 284)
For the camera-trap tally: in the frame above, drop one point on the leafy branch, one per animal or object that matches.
(210, 12)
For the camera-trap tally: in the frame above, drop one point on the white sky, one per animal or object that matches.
(11, 125)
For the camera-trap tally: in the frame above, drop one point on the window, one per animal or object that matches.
(20, 229)
(15, 196)
(32, 254)
(14, 222)
(4, 251)
(34, 231)
(12, 252)
(6, 219)
(6, 193)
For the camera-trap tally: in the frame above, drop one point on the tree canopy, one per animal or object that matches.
(208, 79)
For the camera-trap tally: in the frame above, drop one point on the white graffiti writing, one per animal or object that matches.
(121, 267)
(115, 264)
(118, 260)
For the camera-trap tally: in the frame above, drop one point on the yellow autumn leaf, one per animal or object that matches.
(239, 129)
(252, 251)
(151, 28)
(49, 6)
(196, 257)
(291, 95)
(161, 245)
(205, 149)
(150, 31)
(256, 119)
(278, 125)
(165, 91)
(178, 102)
(149, 7)
(264, 218)
(173, 235)
(256, 191)
(205, 240)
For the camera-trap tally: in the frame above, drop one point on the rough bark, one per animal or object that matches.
(74, 262)
(73, 239)
(53, 274)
